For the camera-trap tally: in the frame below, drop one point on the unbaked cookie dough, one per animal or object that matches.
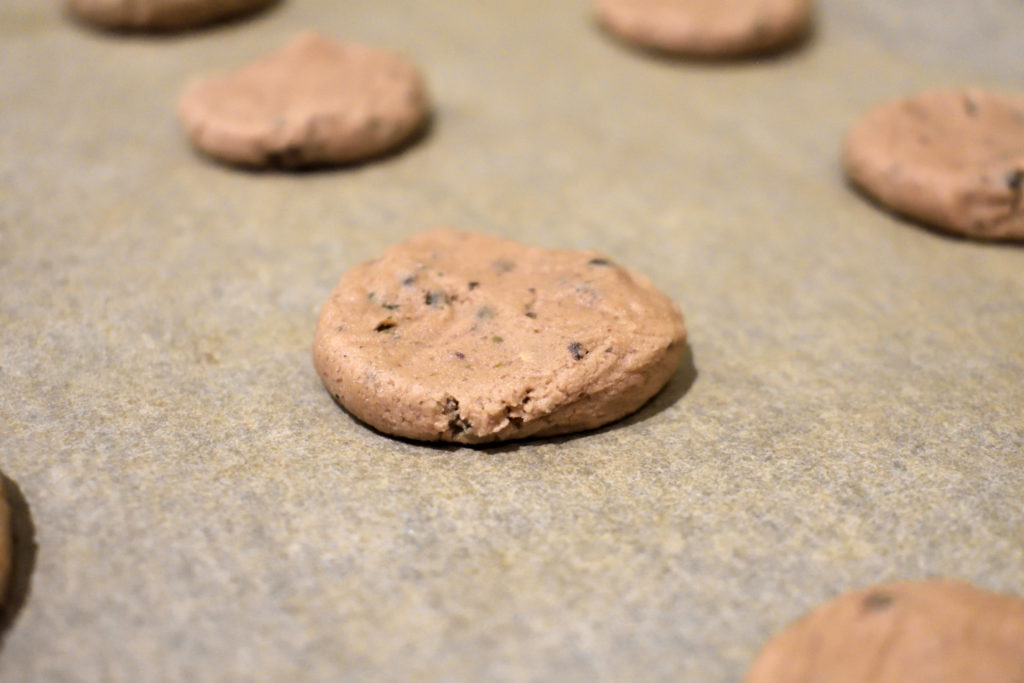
(5, 543)
(314, 102)
(160, 15)
(458, 336)
(939, 631)
(953, 159)
(707, 28)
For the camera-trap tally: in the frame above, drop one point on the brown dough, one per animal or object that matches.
(953, 159)
(940, 631)
(157, 15)
(5, 544)
(464, 337)
(314, 102)
(709, 28)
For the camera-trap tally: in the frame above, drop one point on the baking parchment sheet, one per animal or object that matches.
(853, 408)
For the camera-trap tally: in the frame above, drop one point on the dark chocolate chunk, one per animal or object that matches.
(970, 106)
(436, 298)
(1015, 179)
(577, 350)
(877, 601)
(599, 262)
(385, 325)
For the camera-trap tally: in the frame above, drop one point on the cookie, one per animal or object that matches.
(5, 543)
(457, 336)
(939, 631)
(314, 102)
(160, 15)
(707, 28)
(953, 159)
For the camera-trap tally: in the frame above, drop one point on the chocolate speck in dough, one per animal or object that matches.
(876, 601)
(938, 631)
(707, 28)
(160, 15)
(933, 157)
(532, 379)
(314, 102)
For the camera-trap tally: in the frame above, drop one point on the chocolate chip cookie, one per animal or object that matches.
(940, 631)
(458, 336)
(953, 159)
(314, 102)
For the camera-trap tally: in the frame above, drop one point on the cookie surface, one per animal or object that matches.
(953, 159)
(939, 631)
(314, 102)
(464, 337)
(160, 15)
(707, 27)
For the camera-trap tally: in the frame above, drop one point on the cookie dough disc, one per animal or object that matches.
(463, 337)
(709, 28)
(951, 158)
(940, 631)
(5, 544)
(314, 102)
(157, 15)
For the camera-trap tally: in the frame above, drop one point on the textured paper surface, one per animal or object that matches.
(203, 509)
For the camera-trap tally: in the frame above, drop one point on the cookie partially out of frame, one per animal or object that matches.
(707, 28)
(940, 631)
(457, 336)
(5, 543)
(953, 159)
(314, 102)
(160, 15)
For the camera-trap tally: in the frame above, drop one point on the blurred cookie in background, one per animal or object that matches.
(160, 15)
(708, 28)
(952, 159)
(314, 102)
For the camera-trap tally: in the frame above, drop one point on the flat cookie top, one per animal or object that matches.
(951, 158)
(465, 337)
(160, 14)
(939, 631)
(707, 27)
(315, 101)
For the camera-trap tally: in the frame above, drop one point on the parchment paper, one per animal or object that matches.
(202, 509)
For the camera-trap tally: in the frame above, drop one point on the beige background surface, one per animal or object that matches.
(202, 508)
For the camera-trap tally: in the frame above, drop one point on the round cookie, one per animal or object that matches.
(160, 15)
(314, 102)
(939, 631)
(953, 159)
(707, 28)
(457, 336)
